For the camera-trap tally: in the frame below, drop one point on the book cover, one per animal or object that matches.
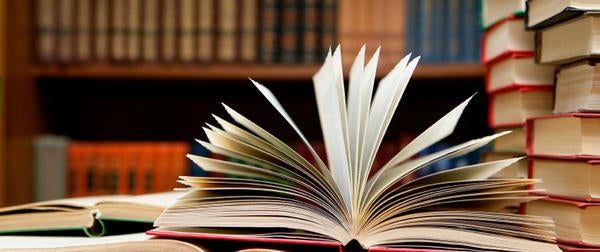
(268, 31)
(206, 31)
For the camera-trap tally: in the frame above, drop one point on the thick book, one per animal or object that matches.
(506, 37)
(576, 221)
(517, 69)
(513, 142)
(510, 107)
(114, 243)
(577, 87)
(544, 13)
(91, 215)
(573, 179)
(493, 11)
(276, 195)
(566, 135)
(569, 41)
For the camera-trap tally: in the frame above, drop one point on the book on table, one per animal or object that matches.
(90, 215)
(276, 196)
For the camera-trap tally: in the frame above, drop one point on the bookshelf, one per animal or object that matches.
(87, 101)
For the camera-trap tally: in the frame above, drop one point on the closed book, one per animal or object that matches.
(493, 11)
(66, 31)
(576, 221)
(506, 37)
(50, 166)
(248, 31)
(568, 41)
(268, 32)
(101, 35)
(578, 87)
(517, 69)
(512, 106)
(573, 179)
(566, 135)
(186, 26)
(544, 13)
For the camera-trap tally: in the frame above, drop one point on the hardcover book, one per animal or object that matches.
(573, 179)
(577, 87)
(510, 107)
(567, 135)
(92, 215)
(569, 41)
(277, 196)
(544, 13)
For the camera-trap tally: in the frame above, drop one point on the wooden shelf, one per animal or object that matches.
(233, 71)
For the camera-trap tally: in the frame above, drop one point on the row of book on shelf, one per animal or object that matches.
(73, 168)
(264, 31)
(543, 84)
(443, 31)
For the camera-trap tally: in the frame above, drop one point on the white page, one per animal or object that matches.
(333, 125)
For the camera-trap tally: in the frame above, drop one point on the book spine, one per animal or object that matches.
(101, 31)
(227, 30)
(248, 46)
(83, 43)
(308, 29)
(168, 26)
(50, 162)
(289, 31)
(66, 30)
(150, 29)
(46, 12)
(327, 31)
(133, 30)
(205, 31)
(269, 26)
(118, 22)
(187, 13)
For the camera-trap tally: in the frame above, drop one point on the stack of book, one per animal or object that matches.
(563, 147)
(517, 87)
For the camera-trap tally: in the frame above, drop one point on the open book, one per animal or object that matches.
(92, 215)
(278, 196)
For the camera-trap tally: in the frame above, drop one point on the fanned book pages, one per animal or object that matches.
(279, 197)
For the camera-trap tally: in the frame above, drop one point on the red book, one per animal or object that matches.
(576, 222)
(274, 243)
(567, 135)
(517, 69)
(506, 37)
(573, 179)
(510, 107)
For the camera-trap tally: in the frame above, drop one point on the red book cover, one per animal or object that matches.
(520, 88)
(487, 59)
(571, 248)
(579, 204)
(489, 71)
(276, 243)
(529, 132)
